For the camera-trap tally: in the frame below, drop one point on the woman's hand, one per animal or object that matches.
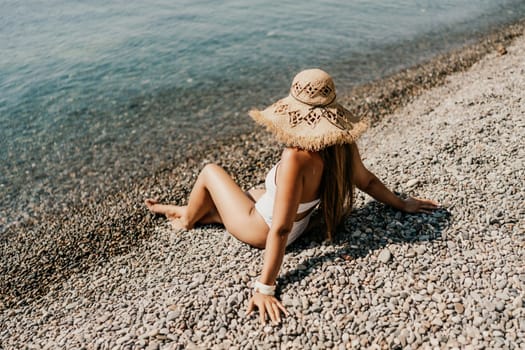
(267, 304)
(417, 205)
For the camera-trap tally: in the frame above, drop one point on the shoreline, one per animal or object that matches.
(65, 238)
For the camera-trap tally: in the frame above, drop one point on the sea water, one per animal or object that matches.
(118, 86)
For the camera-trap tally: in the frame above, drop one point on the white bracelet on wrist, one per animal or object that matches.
(264, 288)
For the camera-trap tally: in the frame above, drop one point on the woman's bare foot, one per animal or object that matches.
(178, 224)
(174, 213)
(171, 211)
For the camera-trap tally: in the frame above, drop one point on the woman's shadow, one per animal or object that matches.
(368, 228)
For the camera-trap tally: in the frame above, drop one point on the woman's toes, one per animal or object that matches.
(150, 202)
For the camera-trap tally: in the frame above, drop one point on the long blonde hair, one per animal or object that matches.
(337, 188)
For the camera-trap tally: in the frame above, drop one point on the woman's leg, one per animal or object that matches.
(215, 191)
(255, 193)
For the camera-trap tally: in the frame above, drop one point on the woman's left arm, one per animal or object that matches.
(367, 182)
(287, 198)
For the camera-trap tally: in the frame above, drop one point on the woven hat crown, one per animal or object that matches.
(313, 87)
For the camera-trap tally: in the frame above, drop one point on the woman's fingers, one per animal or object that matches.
(276, 312)
(432, 204)
(428, 207)
(266, 305)
(271, 312)
(262, 313)
(281, 306)
(428, 202)
(424, 205)
(249, 310)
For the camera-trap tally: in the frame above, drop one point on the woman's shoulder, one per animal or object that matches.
(300, 157)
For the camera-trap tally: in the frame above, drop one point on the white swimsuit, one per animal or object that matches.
(264, 206)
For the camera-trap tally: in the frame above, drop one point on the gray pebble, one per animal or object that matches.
(385, 256)
(499, 306)
(411, 183)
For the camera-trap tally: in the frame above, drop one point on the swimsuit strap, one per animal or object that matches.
(304, 207)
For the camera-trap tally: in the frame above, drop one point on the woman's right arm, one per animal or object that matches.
(287, 198)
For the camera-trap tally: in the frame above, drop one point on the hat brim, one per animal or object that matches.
(310, 127)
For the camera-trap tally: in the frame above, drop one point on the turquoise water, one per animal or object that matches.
(117, 87)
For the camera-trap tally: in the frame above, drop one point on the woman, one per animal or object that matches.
(319, 166)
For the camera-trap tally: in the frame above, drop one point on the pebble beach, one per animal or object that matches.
(451, 279)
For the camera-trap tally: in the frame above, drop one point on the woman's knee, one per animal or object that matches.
(212, 167)
(210, 170)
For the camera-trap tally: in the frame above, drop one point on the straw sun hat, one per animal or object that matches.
(310, 118)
